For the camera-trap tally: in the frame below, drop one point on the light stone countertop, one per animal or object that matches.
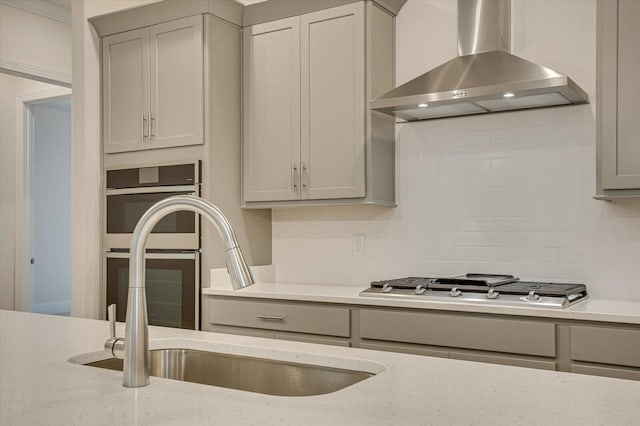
(39, 386)
(592, 309)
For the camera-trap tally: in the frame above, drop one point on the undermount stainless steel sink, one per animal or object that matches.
(259, 375)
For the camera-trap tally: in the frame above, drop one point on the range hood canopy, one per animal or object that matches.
(484, 78)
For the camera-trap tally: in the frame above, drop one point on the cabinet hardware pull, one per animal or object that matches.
(270, 318)
(144, 127)
(294, 176)
(304, 175)
(152, 120)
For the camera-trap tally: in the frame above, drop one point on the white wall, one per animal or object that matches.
(52, 207)
(11, 89)
(32, 43)
(501, 193)
(35, 40)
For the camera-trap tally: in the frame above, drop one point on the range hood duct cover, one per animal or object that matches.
(484, 78)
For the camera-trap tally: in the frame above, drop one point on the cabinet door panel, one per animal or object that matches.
(505, 360)
(458, 331)
(271, 147)
(125, 64)
(177, 97)
(333, 103)
(405, 349)
(606, 345)
(606, 371)
(323, 340)
(242, 331)
(620, 91)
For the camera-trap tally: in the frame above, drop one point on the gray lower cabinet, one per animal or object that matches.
(313, 323)
(469, 337)
(504, 359)
(618, 89)
(595, 348)
(459, 331)
(605, 351)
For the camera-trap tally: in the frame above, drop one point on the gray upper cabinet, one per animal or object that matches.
(332, 103)
(271, 149)
(153, 87)
(618, 117)
(307, 129)
(125, 91)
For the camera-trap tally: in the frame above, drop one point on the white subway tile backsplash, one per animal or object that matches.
(515, 202)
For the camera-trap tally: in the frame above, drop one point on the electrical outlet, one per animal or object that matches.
(357, 243)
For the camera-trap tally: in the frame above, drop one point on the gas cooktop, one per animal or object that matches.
(481, 288)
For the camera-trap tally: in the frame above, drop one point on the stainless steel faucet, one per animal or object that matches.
(136, 336)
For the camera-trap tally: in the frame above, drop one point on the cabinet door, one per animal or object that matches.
(477, 332)
(333, 103)
(177, 94)
(125, 98)
(271, 140)
(606, 345)
(619, 93)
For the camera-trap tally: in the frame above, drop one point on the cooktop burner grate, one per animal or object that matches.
(481, 288)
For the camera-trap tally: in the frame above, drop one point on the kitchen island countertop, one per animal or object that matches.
(39, 386)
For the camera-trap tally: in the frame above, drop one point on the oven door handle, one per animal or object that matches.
(153, 190)
(180, 255)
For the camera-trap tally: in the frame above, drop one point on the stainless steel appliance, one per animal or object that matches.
(130, 193)
(481, 288)
(172, 285)
(485, 77)
(173, 247)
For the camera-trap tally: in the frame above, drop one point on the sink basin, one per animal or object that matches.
(251, 374)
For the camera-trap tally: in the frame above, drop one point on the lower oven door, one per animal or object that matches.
(172, 281)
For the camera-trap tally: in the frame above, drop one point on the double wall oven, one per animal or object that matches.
(172, 273)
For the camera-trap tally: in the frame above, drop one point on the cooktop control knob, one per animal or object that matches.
(455, 292)
(387, 288)
(492, 294)
(420, 289)
(532, 296)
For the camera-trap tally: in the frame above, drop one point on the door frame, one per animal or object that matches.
(23, 281)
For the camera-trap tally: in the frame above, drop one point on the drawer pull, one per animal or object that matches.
(270, 318)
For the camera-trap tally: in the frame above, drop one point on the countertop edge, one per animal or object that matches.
(597, 310)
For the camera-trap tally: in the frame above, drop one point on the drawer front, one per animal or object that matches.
(505, 360)
(606, 345)
(595, 370)
(301, 318)
(313, 339)
(405, 349)
(242, 331)
(458, 331)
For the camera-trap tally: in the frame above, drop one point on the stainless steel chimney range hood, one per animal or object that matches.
(485, 78)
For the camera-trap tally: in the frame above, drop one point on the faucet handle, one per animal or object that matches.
(111, 317)
(113, 345)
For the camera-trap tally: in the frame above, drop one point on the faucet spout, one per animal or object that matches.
(136, 350)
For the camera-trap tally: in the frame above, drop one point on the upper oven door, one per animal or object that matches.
(125, 207)
(131, 192)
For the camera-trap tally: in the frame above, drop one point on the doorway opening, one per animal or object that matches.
(50, 179)
(37, 190)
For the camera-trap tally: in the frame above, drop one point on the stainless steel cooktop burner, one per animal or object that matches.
(481, 288)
